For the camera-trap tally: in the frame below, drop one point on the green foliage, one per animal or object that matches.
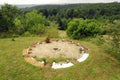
(36, 23)
(79, 28)
(113, 30)
(7, 16)
(27, 33)
(13, 39)
(38, 29)
(33, 18)
(18, 29)
(52, 31)
(63, 24)
(57, 13)
(15, 22)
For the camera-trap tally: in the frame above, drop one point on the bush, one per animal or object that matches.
(52, 31)
(15, 35)
(13, 39)
(38, 29)
(27, 33)
(79, 28)
(8, 35)
(113, 31)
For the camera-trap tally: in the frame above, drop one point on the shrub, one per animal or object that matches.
(52, 31)
(15, 35)
(13, 39)
(79, 28)
(27, 33)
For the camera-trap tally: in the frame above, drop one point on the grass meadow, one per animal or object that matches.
(99, 65)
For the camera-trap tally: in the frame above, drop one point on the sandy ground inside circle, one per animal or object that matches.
(56, 49)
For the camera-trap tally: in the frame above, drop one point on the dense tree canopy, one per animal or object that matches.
(100, 11)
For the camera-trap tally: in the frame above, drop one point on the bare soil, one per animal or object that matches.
(56, 49)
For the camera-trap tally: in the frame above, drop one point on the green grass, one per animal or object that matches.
(99, 65)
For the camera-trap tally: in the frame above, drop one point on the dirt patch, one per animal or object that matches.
(56, 49)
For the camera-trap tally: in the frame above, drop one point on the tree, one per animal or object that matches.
(19, 28)
(45, 12)
(79, 28)
(69, 13)
(91, 13)
(35, 23)
(7, 16)
(63, 23)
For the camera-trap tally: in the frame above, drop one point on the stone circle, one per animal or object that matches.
(55, 49)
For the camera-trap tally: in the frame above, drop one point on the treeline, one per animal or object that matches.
(14, 21)
(59, 14)
(62, 14)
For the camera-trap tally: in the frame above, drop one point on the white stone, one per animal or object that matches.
(83, 58)
(64, 65)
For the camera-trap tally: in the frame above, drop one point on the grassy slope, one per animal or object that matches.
(98, 66)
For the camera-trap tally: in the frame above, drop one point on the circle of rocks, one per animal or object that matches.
(33, 61)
